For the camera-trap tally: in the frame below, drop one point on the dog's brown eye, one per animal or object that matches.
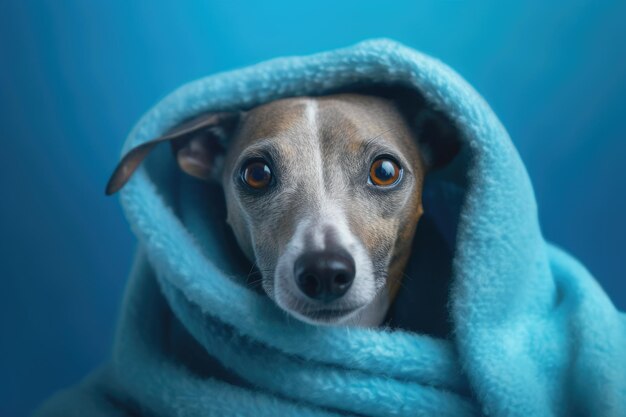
(257, 174)
(384, 172)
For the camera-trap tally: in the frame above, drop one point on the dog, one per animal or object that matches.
(323, 194)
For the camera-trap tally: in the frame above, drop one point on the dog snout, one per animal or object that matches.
(324, 275)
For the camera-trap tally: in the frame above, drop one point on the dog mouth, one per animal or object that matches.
(328, 314)
(310, 313)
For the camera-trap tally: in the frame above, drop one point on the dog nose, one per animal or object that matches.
(324, 276)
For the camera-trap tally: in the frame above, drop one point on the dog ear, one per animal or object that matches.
(437, 136)
(198, 144)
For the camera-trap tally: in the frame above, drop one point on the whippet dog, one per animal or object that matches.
(323, 194)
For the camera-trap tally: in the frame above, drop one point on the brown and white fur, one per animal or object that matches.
(320, 150)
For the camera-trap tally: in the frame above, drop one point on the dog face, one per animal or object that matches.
(323, 195)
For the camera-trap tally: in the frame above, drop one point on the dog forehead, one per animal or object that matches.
(349, 120)
(338, 120)
(273, 119)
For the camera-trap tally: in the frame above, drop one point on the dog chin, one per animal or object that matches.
(326, 317)
(368, 312)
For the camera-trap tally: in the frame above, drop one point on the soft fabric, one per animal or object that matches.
(531, 332)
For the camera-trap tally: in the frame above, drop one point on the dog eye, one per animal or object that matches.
(257, 174)
(384, 172)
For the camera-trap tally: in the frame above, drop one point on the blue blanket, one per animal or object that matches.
(531, 332)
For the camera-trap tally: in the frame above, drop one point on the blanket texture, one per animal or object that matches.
(531, 332)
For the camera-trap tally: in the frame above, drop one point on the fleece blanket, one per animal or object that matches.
(531, 333)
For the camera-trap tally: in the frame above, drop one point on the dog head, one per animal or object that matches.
(323, 195)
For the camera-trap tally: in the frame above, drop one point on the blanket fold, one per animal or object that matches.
(532, 333)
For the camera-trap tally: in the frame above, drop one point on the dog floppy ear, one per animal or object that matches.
(437, 136)
(198, 144)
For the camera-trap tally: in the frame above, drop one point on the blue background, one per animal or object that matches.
(74, 77)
